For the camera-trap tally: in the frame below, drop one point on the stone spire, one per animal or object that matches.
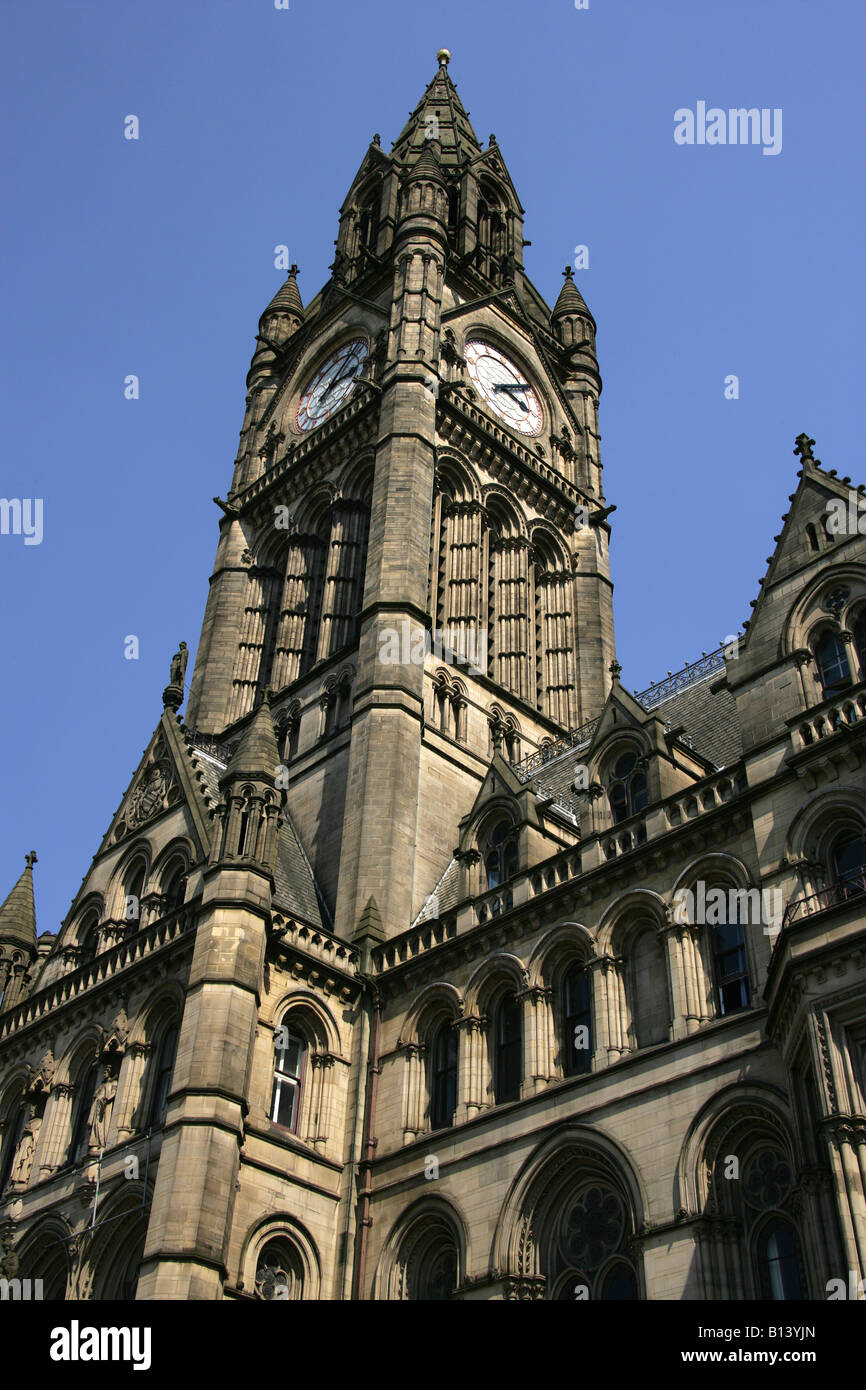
(570, 300)
(288, 297)
(256, 757)
(18, 912)
(439, 115)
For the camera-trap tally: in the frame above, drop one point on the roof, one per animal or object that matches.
(18, 912)
(440, 114)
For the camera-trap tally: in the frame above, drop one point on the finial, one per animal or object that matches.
(568, 273)
(377, 140)
(293, 270)
(803, 447)
(172, 696)
(31, 858)
(443, 57)
(492, 140)
(616, 670)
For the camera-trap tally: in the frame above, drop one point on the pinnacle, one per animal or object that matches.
(570, 300)
(287, 297)
(18, 912)
(257, 755)
(439, 115)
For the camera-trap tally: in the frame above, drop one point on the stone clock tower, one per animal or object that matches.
(419, 465)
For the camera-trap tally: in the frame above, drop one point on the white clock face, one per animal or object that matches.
(504, 387)
(331, 385)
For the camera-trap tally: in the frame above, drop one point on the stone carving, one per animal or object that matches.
(100, 1112)
(26, 1148)
(147, 799)
(178, 665)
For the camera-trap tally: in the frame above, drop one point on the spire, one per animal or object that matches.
(287, 299)
(256, 756)
(440, 116)
(570, 300)
(18, 912)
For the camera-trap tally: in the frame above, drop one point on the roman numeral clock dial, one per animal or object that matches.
(504, 387)
(331, 385)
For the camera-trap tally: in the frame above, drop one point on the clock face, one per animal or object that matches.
(331, 385)
(504, 387)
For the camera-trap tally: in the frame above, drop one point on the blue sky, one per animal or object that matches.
(155, 257)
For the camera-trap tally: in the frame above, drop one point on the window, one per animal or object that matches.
(164, 1069)
(779, 1261)
(848, 863)
(729, 962)
(11, 1140)
(443, 1097)
(577, 1015)
(289, 1050)
(859, 631)
(279, 1272)
(81, 1117)
(175, 888)
(833, 671)
(619, 1283)
(89, 943)
(133, 890)
(501, 860)
(509, 1050)
(627, 790)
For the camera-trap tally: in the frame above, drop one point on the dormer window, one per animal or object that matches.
(501, 858)
(627, 789)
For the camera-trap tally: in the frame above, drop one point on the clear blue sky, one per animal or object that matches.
(155, 257)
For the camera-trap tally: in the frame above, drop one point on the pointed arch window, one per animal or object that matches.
(443, 1091)
(779, 1261)
(289, 1057)
(501, 860)
(729, 967)
(627, 789)
(164, 1070)
(132, 895)
(859, 631)
(577, 1021)
(81, 1115)
(848, 863)
(509, 1049)
(175, 888)
(832, 663)
(13, 1131)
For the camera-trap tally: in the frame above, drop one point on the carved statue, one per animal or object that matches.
(100, 1112)
(26, 1149)
(178, 665)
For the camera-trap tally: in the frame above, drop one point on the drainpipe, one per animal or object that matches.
(368, 1148)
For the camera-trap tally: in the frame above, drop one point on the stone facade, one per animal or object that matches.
(421, 959)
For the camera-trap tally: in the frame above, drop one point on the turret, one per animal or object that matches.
(18, 949)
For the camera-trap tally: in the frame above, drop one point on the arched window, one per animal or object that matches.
(164, 1069)
(859, 631)
(81, 1114)
(501, 858)
(509, 1049)
(433, 1273)
(590, 1240)
(88, 939)
(175, 888)
(289, 1053)
(812, 535)
(12, 1133)
(279, 1272)
(619, 1283)
(848, 863)
(133, 889)
(779, 1261)
(627, 789)
(443, 1089)
(729, 967)
(832, 662)
(577, 1021)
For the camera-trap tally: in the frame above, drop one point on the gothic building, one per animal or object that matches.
(420, 958)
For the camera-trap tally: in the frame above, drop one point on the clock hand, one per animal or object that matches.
(511, 387)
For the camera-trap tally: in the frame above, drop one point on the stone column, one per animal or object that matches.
(470, 1095)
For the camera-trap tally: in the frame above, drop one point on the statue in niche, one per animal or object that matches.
(26, 1149)
(100, 1112)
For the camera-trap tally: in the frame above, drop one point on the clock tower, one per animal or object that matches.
(413, 556)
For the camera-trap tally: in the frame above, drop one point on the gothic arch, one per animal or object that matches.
(712, 865)
(318, 1021)
(355, 482)
(436, 1001)
(559, 947)
(572, 1160)
(112, 1261)
(136, 860)
(283, 1231)
(431, 1229)
(768, 1103)
(456, 476)
(632, 905)
(496, 975)
(820, 817)
(43, 1253)
(806, 612)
